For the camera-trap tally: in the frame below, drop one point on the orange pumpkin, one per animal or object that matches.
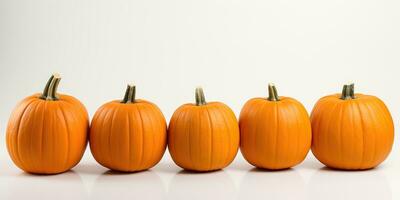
(47, 133)
(275, 132)
(203, 136)
(351, 131)
(128, 135)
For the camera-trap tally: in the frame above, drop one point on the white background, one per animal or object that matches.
(232, 48)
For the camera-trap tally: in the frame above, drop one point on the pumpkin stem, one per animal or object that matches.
(200, 99)
(130, 94)
(348, 92)
(272, 93)
(50, 90)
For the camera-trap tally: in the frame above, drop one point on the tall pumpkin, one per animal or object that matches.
(128, 135)
(47, 133)
(203, 136)
(351, 131)
(275, 132)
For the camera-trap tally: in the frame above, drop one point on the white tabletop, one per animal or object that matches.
(309, 180)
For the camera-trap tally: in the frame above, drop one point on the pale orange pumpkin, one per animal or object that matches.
(351, 131)
(47, 133)
(275, 132)
(203, 136)
(128, 135)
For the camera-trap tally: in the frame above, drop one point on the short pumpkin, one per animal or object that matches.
(128, 135)
(47, 133)
(351, 131)
(203, 136)
(275, 132)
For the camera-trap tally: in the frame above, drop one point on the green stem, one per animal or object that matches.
(200, 99)
(348, 92)
(272, 93)
(50, 90)
(130, 94)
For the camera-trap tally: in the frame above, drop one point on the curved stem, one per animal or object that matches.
(200, 99)
(130, 94)
(54, 87)
(348, 92)
(46, 88)
(50, 90)
(272, 93)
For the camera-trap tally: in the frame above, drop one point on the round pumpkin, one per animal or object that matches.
(275, 132)
(47, 133)
(203, 136)
(351, 131)
(128, 135)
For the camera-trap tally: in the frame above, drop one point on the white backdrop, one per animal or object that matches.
(232, 48)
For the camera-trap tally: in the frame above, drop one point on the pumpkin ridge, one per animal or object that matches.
(293, 108)
(99, 151)
(68, 136)
(128, 133)
(375, 143)
(308, 127)
(254, 142)
(389, 120)
(382, 109)
(283, 113)
(114, 113)
(340, 131)
(316, 112)
(224, 117)
(151, 121)
(189, 133)
(171, 125)
(257, 127)
(165, 135)
(372, 117)
(276, 135)
(18, 133)
(199, 132)
(78, 117)
(134, 135)
(171, 121)
(353, 110)
(327, 131)
(182, 115)
(191, 128)
(41, 132)
(211, 138)
(155, 116)
(302, 111)
(35, 110)
(142, 137)
(244, 114)
(363, 135)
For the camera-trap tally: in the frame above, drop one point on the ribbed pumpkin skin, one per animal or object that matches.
(351, 134)
(47, 137)
(203, 138)
(274, 134)
(128, 137)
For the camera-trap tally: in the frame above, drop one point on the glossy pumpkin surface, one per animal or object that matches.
(47, 133)
(203, 136)
(351, 131)
(128, 135)
(275, 132)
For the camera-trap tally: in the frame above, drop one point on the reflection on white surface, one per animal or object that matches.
(201, 186)
(114, 185)
(66, 186)
(348, 185)
(263, 184)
